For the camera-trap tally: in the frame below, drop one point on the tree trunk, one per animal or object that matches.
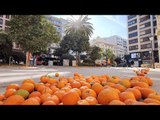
(109, 62)
(77, 58)
(28, 56)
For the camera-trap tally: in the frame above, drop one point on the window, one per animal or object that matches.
(154, 23)
(154, 30)
(135, 47)
(6, 22)
(144, 18)
(133, 41)
(132, 22)
(131, 16)
(132, 28)
(155, 38)
(124, 43)
(135, 55)
(1, 21)
(133, 34)
(144, 39)
(146, 55)
(154, 16)
(156, 45)
(145, 32)
(7, 16)
(145, 46)
(145, 25)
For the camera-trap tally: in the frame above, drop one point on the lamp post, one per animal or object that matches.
(152, 52)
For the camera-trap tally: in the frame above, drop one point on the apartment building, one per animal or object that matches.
(120, 43)
(58, 24)
(140, 29)
(103, 44)
(4, 19)
(116, 44)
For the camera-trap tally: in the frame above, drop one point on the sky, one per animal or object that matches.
(105, 25)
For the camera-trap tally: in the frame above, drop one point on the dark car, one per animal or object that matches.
(122, 65)
(39, 61)
(45, 61)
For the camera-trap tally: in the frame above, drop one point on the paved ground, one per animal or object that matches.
(18, 74)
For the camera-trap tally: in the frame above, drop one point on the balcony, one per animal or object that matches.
(130, 19)
(140, 23)
(141, 16)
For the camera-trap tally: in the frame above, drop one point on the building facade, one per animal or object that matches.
(103, 44)
(58, 24)
(4, 19)
(116, 44)
(140, 29)
(120, 43)
(158, 34)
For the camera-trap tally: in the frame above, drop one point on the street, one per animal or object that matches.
(10, 75)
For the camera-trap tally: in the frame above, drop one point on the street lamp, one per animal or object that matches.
(152, 52)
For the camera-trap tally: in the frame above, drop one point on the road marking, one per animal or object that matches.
(14, 74)
(20, 78)
(35, 70)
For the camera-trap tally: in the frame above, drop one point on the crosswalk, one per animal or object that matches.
(20, 76)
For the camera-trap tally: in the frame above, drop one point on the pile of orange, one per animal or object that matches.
(81, 90)
(142, 72)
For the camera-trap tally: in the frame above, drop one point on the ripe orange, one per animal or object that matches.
(49, 102)
(56, 74)
(9, 92)
(91, 100)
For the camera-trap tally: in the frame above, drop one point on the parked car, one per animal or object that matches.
(122, 65)
(39, 61)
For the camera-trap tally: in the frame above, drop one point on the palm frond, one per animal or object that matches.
(81, 24)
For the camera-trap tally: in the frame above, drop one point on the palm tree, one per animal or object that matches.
(79, 25)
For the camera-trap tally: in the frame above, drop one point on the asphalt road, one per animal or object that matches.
(10, 75)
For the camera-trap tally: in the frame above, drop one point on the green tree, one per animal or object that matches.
(33, 32)
(76, 42)
(5, 46)
(59, 52)
(109, 56)
(96, 53)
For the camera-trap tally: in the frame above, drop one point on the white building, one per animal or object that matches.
(116, 44)
(103, 44)
(58, 24)
(121, 45)
(4, 19)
